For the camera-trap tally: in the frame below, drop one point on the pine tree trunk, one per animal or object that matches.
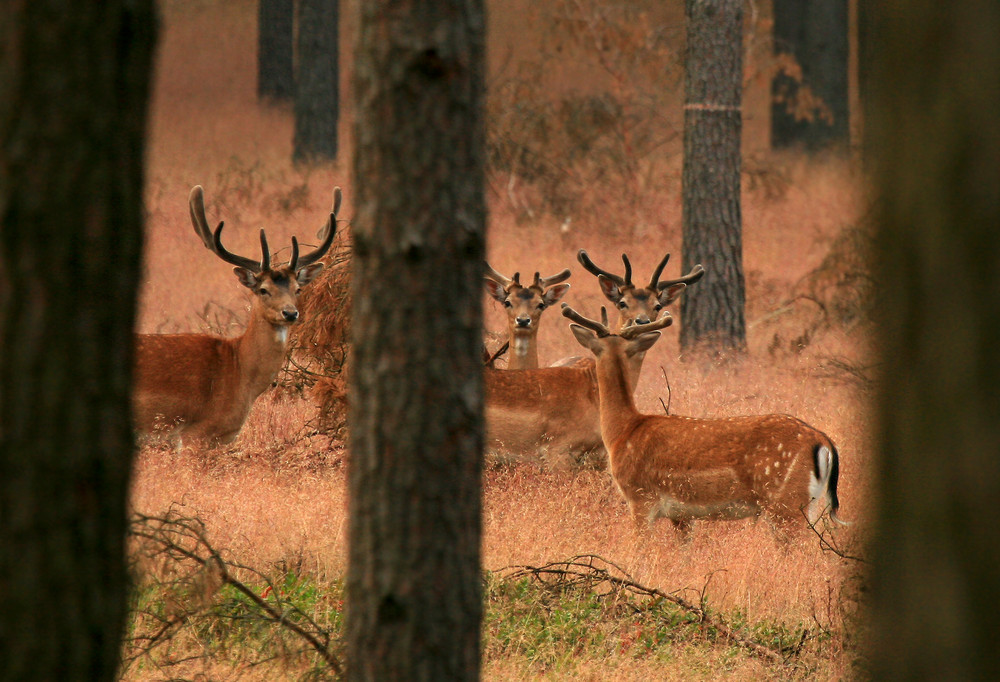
(713, 311)
(275, 56)
(414, 583)
(934, 127)
(74, 81)
(317, 108)
(810, 109)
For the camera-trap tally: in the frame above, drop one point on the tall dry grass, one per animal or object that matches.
(277, 496)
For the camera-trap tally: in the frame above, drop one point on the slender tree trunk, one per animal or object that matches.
(934, 128)
(414, 599)
(713, 311)
(73, 94)
(317, 108)
(809, 104)
(275, 55)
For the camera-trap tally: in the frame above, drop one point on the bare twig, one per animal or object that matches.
(590, 571)
(179, 540)
(670, 394)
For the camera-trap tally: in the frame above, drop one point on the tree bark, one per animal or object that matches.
(809, 109)
(414, 583)
(275, 50)
(933, 127)
(317, 108)
(74, 82)
(713, 311)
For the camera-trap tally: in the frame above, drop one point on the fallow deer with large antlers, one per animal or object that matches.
(551, 414)
(524, 306)
(199, 387)
(683, 468)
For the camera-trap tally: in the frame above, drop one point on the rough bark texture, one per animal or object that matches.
(713, 311)
(275, 55)
(414, 603)
(814, 34)
(317, 108)
(73, 94)
(934, 128)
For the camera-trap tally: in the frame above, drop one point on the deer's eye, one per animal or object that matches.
(622, 305)
(657, 307)
(265, 291)
(541, 306)
(506, 304)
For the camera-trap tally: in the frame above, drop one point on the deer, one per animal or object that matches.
(524, 306)
(551, 414)
(199, 387)
(684, 468)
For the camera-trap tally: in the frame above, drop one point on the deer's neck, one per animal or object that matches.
(261, 353)
(523, 351)
(616, 380)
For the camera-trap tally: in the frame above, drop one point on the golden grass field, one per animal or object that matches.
(277, 496)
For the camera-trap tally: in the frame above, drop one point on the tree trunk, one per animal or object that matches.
(809, 95)
(275, 56)
(713, 311)
(74, 81)
(414, 583)
(934, 128)
(316, 105)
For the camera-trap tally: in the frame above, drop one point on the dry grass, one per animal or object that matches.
(277, 496)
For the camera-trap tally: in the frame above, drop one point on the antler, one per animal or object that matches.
(308, 259)
(634, 330)
(600, 328)
(544, 283)
(629, 332)
(213, 242)
(657, 272)
(497, 277)
(594, 270)
(697, 272)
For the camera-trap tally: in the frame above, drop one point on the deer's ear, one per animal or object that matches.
(553, 294)
(308, 273)
(641, 343)
(609, 289)
(495, 289)
(246, 277)
(671, 293)
(586, 338)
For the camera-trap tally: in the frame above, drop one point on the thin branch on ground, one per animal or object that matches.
(590, 571)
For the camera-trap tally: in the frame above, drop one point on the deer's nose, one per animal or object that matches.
(523, 322)
(642, 319)
(290, 314)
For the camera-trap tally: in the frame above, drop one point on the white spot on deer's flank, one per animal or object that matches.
(767, 471)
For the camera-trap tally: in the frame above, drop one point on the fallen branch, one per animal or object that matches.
(590, 571)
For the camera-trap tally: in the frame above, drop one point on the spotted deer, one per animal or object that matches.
(200, 387)
(524, 306)
(684, 468)
(551, 415)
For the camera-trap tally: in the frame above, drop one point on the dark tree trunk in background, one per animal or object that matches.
(73, 95)
(316, 105)
(414, 582)
(275, 56)
(809, 109)
(934, 127)
(713, 311)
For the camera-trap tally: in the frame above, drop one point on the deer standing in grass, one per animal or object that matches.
(199, 387)
(524, 306)
(551, 414)
(685, 469)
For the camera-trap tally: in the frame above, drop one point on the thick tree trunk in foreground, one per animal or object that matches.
(713, 311)
(934, 127)
(317, 108)
(809, 104)
(414, 583)
(73, 95)
(275, 50)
